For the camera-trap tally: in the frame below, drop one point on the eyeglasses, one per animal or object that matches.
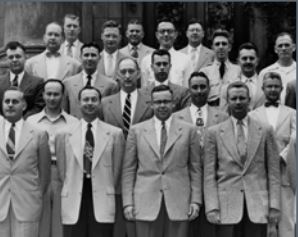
(129, 71)
(221, 43)
(159, 102)
(163, 31)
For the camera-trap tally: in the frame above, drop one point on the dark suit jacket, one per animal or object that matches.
(290, 99)
(32, 88)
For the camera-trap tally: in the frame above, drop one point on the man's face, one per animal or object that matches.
(134, 33)
(53, 95)
(272, 88)
(166, 34)
(53, 37)
(161, 67)
(13, 105)
(221, 48)
(128, 75)
(195, 33)
(16, 59)
(90, 57)
(89, 103)
(111, 38)
(238, 102)
(162, 104)
(284, 47)
(248, 60)
(199, 90)
(71, 29)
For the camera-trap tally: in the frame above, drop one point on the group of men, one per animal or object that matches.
(143, 142)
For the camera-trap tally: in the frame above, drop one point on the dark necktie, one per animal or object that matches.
(222, 70)
(271, 103)
(200, 125)
(163, 138)
(241, 144)
(10, 144)
(15, 81)
(88, 151)
(89, 78)
(134, 52)
(126, 116)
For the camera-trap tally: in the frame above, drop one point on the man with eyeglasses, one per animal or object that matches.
(181, 69)
(161, 175)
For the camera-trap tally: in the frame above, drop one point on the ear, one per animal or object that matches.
(24, 105)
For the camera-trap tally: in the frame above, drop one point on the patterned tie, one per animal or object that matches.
(89, 78)
(134, 52)
(222, 70)
(88, 151)
(163, 138)
(241, 144)
(110, 68)
(10, 145)
(69, 50)
(15, 81)
(200, 125)
(126, 116)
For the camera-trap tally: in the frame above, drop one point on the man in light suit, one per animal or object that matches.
(71, 46)
(202, 116)
(24, 169)
(283, 120)
(51, 63)
(30, 85)
(115, 113)
(161, 176)
(89, 76)
(200, 56)
(89, 161)
(241, 171)
(161, 64)
(135, 48)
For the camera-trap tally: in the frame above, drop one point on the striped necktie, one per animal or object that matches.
(88, 151)
(15, 81)
(163, 138)
(241, 144)
(10, 144)
(126, 116)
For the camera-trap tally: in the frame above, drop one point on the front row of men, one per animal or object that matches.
(161, 174)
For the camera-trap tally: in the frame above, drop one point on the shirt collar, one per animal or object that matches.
(190, 48)
(130, 46)
(106, 54)
(244, 121)
(75, 43)
(92, 75)
(20, 76)
(123, 94)
(18, 124)
(157, 83)
(167, 122)
(195, 108)
(289, 68)
(50, 54)
(42, 115)
(254, 78)
(227, 62)
(94, 123)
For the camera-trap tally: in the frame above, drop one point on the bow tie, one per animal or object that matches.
(269, 103)
(49, 54)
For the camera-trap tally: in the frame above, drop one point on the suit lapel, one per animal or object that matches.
(75, 140)
(115, 109)
(2, 141)
(63, 67)
(101, 65)
(212, 116)
(77, 84)
(150, 136)
(282, 116)
(202, 57)
(141, 108)
(43, 66)
(25, 137)
(174, 134)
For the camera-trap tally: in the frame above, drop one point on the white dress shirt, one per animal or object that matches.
(244, 124)
(251, 82)
(85, 79)
(196, 51)
(106, 59)
(84, 130)
(194, 113)
(18, 129)
(133, 102)
(73, 48)
(20, 77)
(157, 124)
(272, 113)
(53, 65)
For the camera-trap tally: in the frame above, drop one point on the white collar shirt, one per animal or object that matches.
(194, 113)
(158, 126)
(93, 129)
(93, 78)
(244, 124)
(20, 77)
(18, 129)
(133, 102)
(106, 58)
(53, 65)
(272, 113)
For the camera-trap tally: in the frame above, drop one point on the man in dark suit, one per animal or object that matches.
(290, 99)
(31, 86)
(241, 171)
(161, 65)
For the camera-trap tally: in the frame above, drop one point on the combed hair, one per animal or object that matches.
(160, 52)
(199, 74)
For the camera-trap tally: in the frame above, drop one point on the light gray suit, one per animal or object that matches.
(143, 50)
(76, 51)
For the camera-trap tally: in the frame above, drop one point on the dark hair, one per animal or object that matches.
(112, 24)
(134, 22)
(160, 52)
(56, 81)
(283, 34)
(165, 19)
(71, 16)
(199, 74)
(89, 88)
(221, 32)
(249, 46)
(237, 84)
(161, 88)
(272, 75)
(13, 45)
(90, 45)
(193, 21)
(14, 88)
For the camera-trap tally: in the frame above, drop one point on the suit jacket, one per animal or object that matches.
(31, 86)
(37, 66)
(291, 162)
(181, 94)
(227, 181)
(206, 57)
(285, 130)
(146, 179)
(106, 168)
(74, 84)
(290, 99)
(76, 51)
(24, 180)
(143, 50)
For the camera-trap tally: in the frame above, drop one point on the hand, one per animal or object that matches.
(193, 212)
(129, 213)
(274, 215)
(213, 217)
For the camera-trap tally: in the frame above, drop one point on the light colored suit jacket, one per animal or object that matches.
(37, 66)
(77, 50)
(24, 180)
(206, 57)
(106, 168)
(146, 179)
(285, 130)
(143, 50)
(227, 181)
(74, 84)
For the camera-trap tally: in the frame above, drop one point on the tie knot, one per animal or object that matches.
(70, 45)
(89, 77)
(163, 123)
(271, 103)
(239, 122)
(193, 50)
(13, 125)
(89, 125)
(128, 95)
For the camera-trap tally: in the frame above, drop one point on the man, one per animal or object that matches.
(221, 71)
(290, 99)
(161, 176)
(166, 35)
(111, 38)
(202, 116)
(285, 65)
(241, 171)
(127, 107)
(71, 47)
(24, 169)
(51, 63)
(31, 86)
(89, 162)
(89, 76)
(161, 64)
(283, 120)
(199, 55)
(52, 119)
(135, 48)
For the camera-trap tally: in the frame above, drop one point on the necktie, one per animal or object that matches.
(241, 144)
(163, 138)
(200, 125)
(69, 50)
(193, 57)
(222, 69)
(10, 144)
(89, 78)
(271, 103)
(134, 52)
(110, 66)
(88, 151)
(15, 81)
(126, 115)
